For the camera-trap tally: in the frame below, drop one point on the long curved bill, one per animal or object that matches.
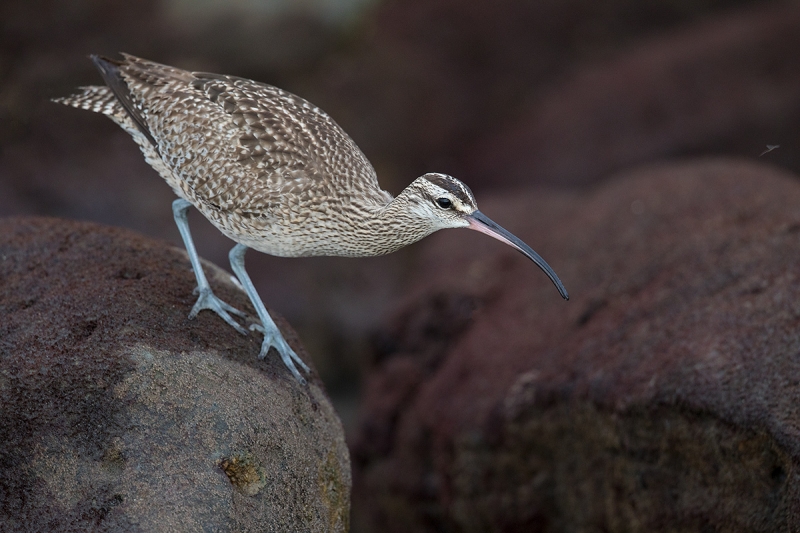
(480, 222)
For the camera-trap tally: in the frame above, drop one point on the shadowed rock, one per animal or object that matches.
(117, 413)
(662, 397)
(726, 85)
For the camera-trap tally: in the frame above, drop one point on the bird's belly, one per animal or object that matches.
(282, 238)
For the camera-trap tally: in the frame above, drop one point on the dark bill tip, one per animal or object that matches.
(480, 222)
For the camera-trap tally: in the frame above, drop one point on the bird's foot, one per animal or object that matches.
(273, 337)
(208, 300)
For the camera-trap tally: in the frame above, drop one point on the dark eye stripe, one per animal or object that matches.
(457, 189)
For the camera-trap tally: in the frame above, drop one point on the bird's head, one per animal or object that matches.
(445, 202)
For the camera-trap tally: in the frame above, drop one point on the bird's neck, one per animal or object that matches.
(394, 225)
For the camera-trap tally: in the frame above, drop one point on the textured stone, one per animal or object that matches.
(662, 397)
(118, 413)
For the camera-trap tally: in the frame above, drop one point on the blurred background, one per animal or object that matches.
(503, 95)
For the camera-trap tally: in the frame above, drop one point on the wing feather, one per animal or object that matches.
(245, 145)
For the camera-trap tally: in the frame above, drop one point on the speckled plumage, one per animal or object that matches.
(274, 173)
(266, 167)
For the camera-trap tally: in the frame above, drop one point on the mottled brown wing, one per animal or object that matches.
(244, 145)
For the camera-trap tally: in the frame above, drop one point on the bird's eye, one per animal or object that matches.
(444, 203)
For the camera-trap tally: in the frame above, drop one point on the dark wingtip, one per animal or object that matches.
(109, 70)
(105, 64)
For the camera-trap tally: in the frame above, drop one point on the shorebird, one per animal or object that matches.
(274, 173)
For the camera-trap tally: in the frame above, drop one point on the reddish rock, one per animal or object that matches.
(724, 85)
(663, 396)
(118, 413)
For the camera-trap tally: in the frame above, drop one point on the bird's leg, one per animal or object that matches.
(272, 335)
(207, 299)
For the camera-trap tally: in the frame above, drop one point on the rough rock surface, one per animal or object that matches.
(117, 413)
(665, 396)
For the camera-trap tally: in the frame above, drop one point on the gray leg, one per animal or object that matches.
(272, 336)
(207, 299)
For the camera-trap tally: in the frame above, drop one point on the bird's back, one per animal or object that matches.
(259, 162)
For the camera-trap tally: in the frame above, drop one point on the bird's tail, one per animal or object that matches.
(114, 100)
(99, 99)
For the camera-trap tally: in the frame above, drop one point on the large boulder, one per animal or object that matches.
(118, 413)
(664, 396)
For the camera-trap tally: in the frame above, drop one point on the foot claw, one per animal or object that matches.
(289, 357)
(208, 300)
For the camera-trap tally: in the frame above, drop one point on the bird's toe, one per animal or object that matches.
(288, 356)
(208, 300)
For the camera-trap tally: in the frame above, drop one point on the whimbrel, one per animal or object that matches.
(274, 173)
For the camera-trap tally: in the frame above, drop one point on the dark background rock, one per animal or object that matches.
(726, 86)
(118, 413)
(662, 397)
